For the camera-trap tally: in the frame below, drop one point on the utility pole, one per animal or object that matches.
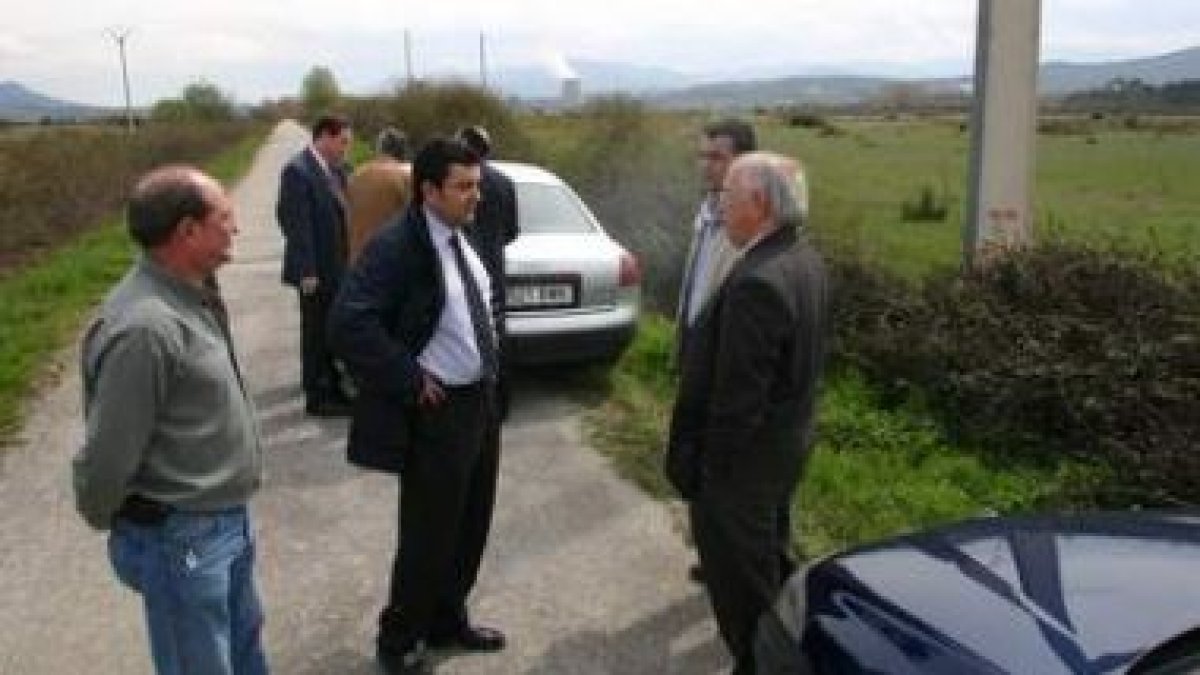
(120, 35)
(408, 56)
(1003, 129)
(482, 61)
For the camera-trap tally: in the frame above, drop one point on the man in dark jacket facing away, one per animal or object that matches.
(312, 214)
(494, 227)
(412, 324)
(742, 424)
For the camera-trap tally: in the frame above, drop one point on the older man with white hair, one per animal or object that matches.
(743, 420)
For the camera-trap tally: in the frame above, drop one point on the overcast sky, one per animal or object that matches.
(263, 49)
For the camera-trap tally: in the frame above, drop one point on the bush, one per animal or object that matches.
(57, 182)
(201, 102)
(927, 207)
(635, 171)
(424, 110)
(1054, 351)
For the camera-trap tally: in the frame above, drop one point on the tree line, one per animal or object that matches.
(1134, 94)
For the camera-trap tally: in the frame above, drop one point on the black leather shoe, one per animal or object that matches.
(470, 638)
(411, 662)
(328, 409)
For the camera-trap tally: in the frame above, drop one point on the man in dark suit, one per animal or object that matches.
(413, 325)
(494, 226)
(743, 420)
(312, 213)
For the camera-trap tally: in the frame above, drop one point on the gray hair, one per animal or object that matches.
(782, 182)
(393, 143)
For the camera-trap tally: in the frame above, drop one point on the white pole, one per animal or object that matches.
(1003, 129)
(483, 82)
(408, 68)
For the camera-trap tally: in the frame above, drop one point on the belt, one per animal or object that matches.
(141, 510)
(474, 387)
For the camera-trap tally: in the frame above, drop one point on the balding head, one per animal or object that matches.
(763, 191)
(163, 198)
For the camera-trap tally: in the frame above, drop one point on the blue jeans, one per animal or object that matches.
(195, 573)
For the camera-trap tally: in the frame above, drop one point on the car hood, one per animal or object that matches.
(1070, 594)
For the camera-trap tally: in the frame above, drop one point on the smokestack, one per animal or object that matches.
(572, 92)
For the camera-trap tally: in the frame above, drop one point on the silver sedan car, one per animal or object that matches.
(573, 293)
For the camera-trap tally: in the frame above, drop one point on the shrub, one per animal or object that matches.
(806, 120)
(1053, 351)
(633, 169)
(928, 206)
(424, 110)
(59, 181)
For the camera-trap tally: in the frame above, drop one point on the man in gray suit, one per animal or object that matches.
(743, 420)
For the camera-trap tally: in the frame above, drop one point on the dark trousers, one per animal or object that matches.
(320, 376)
(740, 536)
(447, 492)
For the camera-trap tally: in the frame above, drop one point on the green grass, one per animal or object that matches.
(1129, 188)
(878, 472)
(42, 305)
(875, 471)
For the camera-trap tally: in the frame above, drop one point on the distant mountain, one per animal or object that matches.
(22, 104)
(1055, 78)
(831, 91)
(1059, 77)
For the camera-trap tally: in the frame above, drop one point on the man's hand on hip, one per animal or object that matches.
(432, 393)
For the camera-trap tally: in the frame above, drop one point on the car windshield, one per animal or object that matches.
(550, 209)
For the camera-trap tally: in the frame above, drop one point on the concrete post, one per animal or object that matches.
(1003, 129)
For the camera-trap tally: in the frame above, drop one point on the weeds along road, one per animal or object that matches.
(584, 573)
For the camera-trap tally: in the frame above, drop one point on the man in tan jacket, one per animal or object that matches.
(378, 191)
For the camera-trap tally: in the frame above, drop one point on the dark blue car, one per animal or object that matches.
(1096, 593)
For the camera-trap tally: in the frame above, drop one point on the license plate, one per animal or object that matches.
(527, 296)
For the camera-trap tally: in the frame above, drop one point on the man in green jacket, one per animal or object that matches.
(172, 452)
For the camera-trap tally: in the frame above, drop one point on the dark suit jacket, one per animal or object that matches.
(386, 311)
(495, 225)
(748, 384)
(313, 219)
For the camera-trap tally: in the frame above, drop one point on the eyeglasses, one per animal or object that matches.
(714, 156)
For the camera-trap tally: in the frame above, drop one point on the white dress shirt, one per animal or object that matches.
(708, 229)
(451, 355)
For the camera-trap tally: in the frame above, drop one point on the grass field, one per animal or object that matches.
(42, 305)
(880, 470)
(1128, 188)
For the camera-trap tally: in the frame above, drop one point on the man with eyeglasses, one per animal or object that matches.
(743, 421)
(710, 255)
(414, 325)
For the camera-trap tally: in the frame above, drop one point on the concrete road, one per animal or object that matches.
(584, 573)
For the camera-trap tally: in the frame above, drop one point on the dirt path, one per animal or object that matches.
(584, 573)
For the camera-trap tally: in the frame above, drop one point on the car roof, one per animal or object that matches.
(520, 172)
